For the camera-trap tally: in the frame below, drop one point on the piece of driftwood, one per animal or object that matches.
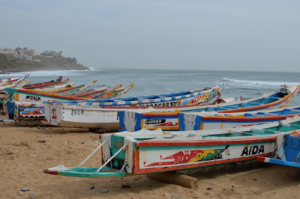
(175, 178)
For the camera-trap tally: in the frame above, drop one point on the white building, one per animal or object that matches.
(27, 57)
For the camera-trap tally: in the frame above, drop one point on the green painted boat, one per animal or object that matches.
(143, 152)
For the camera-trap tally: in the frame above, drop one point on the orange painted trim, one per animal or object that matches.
(261, 106)
(201, 126)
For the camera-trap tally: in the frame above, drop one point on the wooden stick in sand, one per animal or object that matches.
(174, 178)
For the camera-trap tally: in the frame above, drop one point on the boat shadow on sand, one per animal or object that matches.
(252, 178)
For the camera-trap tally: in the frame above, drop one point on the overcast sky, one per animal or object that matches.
(205, 35)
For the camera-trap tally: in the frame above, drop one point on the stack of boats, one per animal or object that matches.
(166, 132)
(101, 104)
(26, 104)
(164, 139)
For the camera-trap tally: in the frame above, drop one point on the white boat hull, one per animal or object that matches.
(82, 117)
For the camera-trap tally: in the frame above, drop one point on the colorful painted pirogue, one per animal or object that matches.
(21, 84)
(44, 84)
(12, 84)
(9, 80)
(23, 95)
(66, 88)
(142, 152)
(134, 120)
(31, 107)
(183, 98)
(117, 93)
(214, 120)
(18, 84)
(55, 88)
(93, 114)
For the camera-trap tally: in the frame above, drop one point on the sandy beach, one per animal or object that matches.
(23, 159)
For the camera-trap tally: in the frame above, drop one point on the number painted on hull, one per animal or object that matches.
(77, 112)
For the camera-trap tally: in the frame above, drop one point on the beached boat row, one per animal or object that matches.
(206, 135)
(190, 118)
(133, 118)
(35, 108)
(15, 93)
(162, 133)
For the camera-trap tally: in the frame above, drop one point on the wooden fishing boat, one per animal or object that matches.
(3, 94)
(32, 98)
(9, 80)
(18, 84)
(63, 84)
(95, 114)
(90, 93)
(144, 151)
(214, 120)
(24, 95)
(74, 89)
(54, 88)
(133, 120)
(117, 93)
(183, 98)
(69, 87)
(44, 84)
(33, 110)
(66, 88)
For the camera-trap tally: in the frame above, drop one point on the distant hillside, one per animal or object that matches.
(8, 63)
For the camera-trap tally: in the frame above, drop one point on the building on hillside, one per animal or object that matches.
(27, 57)
(30, 52)
(18, 56)
(7, 51)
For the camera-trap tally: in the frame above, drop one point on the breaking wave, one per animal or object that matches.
(248, 82)
(92, 68)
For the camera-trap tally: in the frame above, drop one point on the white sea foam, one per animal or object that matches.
(44, 73)
(249, 82)
(92, 68)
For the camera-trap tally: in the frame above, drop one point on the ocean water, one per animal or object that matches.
(149, 82)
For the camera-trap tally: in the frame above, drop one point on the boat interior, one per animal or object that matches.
(84, 91)
(278, 112)
(151, 98)
(242, 104)
(211, 134)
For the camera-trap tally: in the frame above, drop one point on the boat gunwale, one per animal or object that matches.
(235, 103)
(164, 107)
(98, 101)
(54, 95)
(224, 118)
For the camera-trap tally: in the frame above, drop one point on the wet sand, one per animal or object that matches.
(23, 159)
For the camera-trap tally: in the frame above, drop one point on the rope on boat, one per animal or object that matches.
(92, 153)
(126, 164)
(111, 158)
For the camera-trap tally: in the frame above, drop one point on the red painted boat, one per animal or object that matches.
(43, 84)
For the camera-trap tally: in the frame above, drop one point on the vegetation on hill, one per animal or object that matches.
(5, 63)
(8, 63)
